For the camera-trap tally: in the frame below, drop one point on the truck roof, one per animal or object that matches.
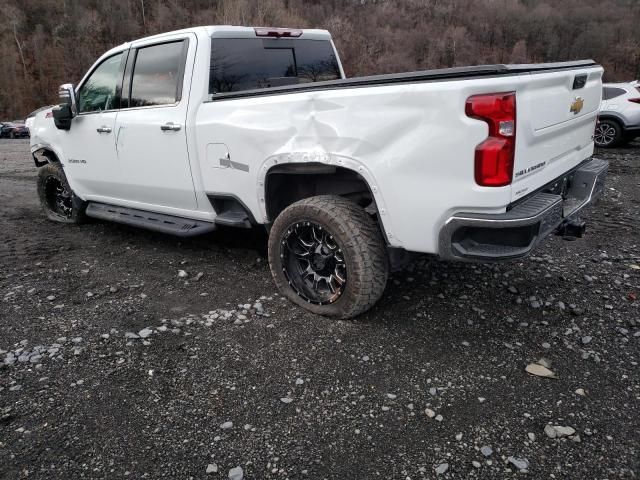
(230, 31)
(227, 31)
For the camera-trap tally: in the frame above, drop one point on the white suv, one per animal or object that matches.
(619, 119)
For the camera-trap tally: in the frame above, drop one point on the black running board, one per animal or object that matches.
(182, 227)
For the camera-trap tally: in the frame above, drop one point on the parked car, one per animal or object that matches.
(619, 119)
(13, 130)
(259, 126)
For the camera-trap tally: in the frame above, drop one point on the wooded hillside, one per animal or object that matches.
(49, 42)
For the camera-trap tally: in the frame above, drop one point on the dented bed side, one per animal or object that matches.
(406, 135)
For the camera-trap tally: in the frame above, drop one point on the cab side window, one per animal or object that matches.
(98, 92)
(157, 74)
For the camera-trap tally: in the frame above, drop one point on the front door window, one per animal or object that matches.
(99, 91)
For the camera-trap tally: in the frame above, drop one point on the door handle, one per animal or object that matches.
(103, 129)
(170, 127)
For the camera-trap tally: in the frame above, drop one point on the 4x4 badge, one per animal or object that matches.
(577, 105)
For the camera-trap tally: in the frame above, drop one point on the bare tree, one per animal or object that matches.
(48, 42)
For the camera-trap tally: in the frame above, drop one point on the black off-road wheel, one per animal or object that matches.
(327, 255)
(58, 201)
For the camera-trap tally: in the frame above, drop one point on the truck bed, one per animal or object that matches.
(440, 74)
(407, 135)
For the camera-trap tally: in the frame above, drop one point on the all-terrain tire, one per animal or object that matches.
(360, 240)
(64, 206)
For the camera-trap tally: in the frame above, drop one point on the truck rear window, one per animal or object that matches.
(239, 64)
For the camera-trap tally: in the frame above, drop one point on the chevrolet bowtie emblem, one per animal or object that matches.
(577, 105)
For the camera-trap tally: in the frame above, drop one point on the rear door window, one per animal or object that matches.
(239, 64)
(157, 74)
(610, 92)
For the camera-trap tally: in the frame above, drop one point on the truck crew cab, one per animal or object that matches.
(237, 126)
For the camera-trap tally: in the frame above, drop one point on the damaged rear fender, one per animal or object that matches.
(319, 159)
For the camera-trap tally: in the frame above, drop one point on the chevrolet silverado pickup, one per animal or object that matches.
(189, 131)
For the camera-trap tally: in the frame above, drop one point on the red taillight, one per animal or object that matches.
(494, 156)
(277, 32)
(634, 100)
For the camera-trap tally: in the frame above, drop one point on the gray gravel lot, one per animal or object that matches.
(112, 364)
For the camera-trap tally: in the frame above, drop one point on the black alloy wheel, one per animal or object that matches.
(57, 196)
(327, 255)
(313, 263)
(58, 201)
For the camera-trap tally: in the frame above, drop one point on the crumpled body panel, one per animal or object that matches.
(412, 143)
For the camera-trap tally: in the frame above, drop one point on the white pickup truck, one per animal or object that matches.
(187, 131)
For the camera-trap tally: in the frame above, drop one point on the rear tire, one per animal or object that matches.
(58, 201)
(328, 256)
(608, 134)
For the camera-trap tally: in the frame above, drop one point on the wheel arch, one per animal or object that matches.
(43, 154)
(612, 117)
(319, 174)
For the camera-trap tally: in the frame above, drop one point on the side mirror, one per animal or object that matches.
(64, 113)
(67, 94)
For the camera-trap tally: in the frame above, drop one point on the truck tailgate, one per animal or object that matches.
(556, 115)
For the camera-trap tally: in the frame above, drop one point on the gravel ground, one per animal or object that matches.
(113, 363)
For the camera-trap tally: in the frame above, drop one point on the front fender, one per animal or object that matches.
(43, 153)
(44, 137)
